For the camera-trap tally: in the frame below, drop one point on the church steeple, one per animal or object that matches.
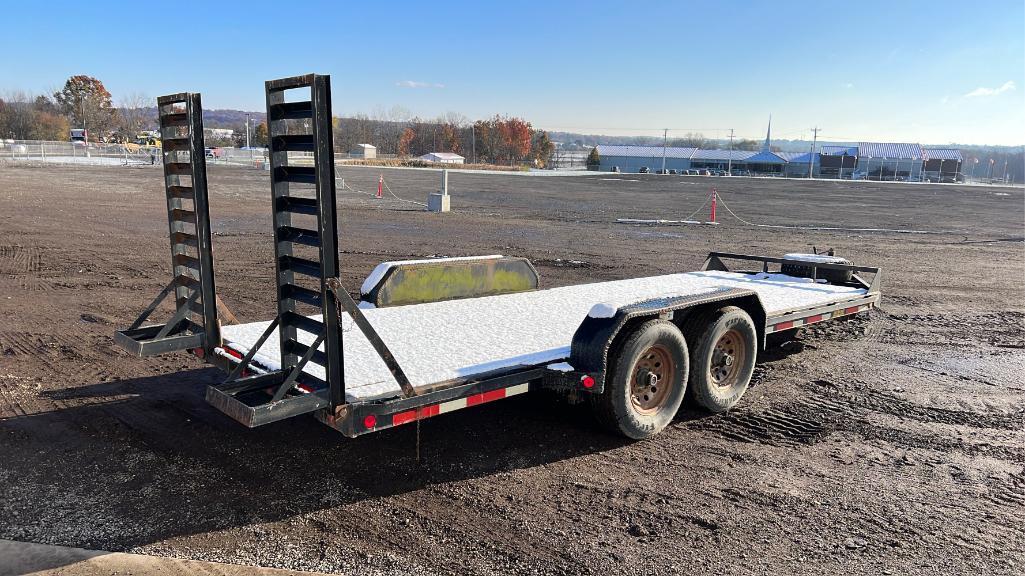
(768, 135)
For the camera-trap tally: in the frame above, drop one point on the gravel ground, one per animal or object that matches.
(890, 443)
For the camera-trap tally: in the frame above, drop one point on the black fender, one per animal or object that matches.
(589, 352)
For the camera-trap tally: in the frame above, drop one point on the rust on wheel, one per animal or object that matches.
(728, 359)
(653, 379)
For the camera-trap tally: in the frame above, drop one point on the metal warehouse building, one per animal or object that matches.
(633, 158)
(864, 161)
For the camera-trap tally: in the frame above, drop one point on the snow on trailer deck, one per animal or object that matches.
(441, 341)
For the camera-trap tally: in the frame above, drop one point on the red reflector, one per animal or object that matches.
(783, 326)
(493, 395)
(199, 352)
(812, 319)
(587, 381)
(233, 353)
(370, 421)
(851, 310)
(403, 417)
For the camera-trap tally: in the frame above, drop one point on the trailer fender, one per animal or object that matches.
(598, 333)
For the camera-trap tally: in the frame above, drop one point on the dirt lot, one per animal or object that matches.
(888, 444)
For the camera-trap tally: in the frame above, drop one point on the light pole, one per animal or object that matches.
(248, 147)
(811, 156)
(729, 161)
(665, 142)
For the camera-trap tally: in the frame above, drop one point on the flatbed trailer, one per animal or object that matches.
(434, 336)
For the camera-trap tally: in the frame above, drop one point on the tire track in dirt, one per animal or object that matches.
(775, 425)
(15, 259)
(829, 407)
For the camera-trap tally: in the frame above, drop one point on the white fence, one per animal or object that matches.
(74, 153)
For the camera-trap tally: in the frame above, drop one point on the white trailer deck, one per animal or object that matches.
(441, 341)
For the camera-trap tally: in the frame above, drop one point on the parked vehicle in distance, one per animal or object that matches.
(672, 171)
(615, 169)
(643, 170)
(705, 172)
(79, 136)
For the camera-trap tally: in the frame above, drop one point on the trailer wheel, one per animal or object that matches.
(647, 381)
(722, 358)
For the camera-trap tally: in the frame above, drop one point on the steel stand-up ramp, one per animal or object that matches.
(194, 325)
(305, 256)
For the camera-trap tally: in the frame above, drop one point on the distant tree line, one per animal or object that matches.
(497, 140)
(83, 102)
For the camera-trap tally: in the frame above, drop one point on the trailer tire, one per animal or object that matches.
(647, 381)
(722, 357)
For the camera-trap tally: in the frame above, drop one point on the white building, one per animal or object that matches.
(443, 158)
(364, 151)
(221, 132)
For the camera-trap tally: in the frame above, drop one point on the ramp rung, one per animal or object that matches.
(180, 192)
(289, 83)
(183, 215)
(314, 327)
(175, 119)
(300, 349)
(175, 145)
(296, 174)
(299, 236)
(291, 111)
(300, 265)
(185, 239)
(297, 205)
(300, 294)
(195, 306)
(294, 143)
(187, 282)
(187, 261)
(178, 169)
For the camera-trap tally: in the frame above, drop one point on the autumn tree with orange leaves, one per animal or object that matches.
(86, 103)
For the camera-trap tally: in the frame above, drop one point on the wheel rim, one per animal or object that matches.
(653, 379)
(728, 358)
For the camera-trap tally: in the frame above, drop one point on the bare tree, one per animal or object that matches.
(131, 115)
(19, 115)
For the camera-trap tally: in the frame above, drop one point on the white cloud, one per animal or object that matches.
(982, 91)
(416, 84)
(848, 85)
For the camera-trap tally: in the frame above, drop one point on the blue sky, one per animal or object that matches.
(934, 71)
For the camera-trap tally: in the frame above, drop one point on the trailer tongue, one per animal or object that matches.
(439, 335)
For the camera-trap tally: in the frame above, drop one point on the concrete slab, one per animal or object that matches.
(31, 559)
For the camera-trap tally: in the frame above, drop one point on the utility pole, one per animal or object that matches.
(1004, 177)
(811, 156)
(473, 141)
(665, 141)
(729, 159)
(247, 130)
